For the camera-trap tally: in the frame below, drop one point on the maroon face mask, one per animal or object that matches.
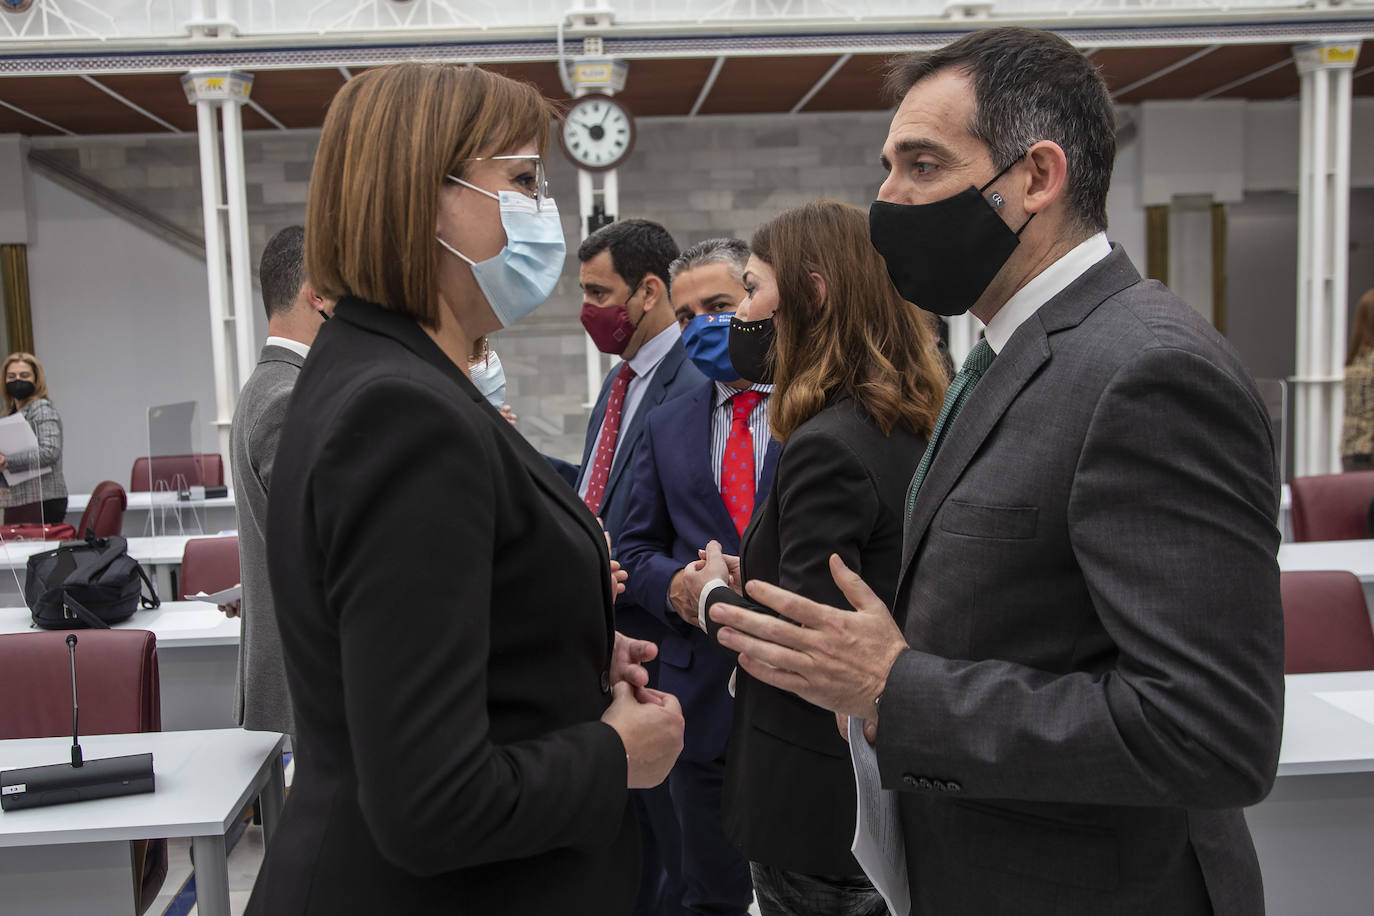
(609, 328)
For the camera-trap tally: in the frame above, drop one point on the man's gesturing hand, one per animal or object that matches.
(836, 659)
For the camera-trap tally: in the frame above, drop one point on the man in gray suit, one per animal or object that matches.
(294, 316)
(1083, 684)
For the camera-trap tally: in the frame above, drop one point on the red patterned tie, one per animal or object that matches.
(605, 443)
(737, 470)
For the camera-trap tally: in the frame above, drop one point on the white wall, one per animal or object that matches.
(120, 323)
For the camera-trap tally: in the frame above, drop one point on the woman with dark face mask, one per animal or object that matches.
(26, 392)
(857, 387)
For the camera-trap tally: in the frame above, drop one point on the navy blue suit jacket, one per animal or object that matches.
(673, 510)
(674, 377)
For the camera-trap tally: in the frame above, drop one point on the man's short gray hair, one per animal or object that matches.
(733, 253)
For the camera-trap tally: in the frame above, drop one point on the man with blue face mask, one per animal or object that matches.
(705, 461)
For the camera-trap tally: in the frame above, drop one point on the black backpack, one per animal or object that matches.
(86, 584)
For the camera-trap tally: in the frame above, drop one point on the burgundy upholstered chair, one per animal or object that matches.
(105, 512)
(117, 680)
(209, 565)
(1332, 507)
(170, 471)
(1326, 624)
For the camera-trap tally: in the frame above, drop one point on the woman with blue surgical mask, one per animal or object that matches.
(468, 721)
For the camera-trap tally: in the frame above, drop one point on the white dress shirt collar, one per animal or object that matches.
(295, 346)
(1043, 287)
(651, 353)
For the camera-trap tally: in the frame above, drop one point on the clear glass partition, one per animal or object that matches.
(173, 466)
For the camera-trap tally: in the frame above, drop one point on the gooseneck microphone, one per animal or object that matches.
(60, 783)
(76, 745)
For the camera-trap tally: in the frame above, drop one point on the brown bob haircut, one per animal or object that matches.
(861, 339)
(390, 137)
(1362, 336)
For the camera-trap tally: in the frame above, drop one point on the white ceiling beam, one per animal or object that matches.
(33, 117)
(706, 86)
(820, 83)
(1177, 65)
(1263, 71)
(130, 103)
(266, 114)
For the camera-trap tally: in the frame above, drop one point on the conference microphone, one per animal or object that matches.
(59, 783)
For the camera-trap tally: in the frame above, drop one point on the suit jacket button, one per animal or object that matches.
(925, 783)
(605, 682)
(953, 786)
(908, 780)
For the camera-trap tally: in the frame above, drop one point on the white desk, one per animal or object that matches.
(70, 859)
(1286, 513)
(1355, 556)
(1315, 832)
(197, 655)
(203, 517)
(159, 556)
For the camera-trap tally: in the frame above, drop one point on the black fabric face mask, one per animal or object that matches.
(751, 343)
(19, 389)
(941, 256)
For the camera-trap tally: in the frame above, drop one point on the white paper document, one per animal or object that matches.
(16, 436)
(1358, 703)
(234, 593)
(878, 844)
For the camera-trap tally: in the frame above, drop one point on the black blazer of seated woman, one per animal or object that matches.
(857, 388)
(446, 617)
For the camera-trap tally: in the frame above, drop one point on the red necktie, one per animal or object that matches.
(737, 471)
(605, 443)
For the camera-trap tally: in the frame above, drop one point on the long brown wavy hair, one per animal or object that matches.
(1362, 335)
(861, 339)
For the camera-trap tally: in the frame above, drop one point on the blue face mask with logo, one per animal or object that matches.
(523, 274)
(707, 340)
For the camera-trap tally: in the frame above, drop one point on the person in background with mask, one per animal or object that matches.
(627, 312)
(1086, 685)
(41, 499)
(703, 468)
(469, 720)
(857, 390)
(484, 366)
(295, 313)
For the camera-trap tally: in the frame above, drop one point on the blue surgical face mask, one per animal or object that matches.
(707, 339)
(490, 379)
(523, 274)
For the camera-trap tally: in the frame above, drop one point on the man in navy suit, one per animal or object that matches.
(627, 312)
(705, 461)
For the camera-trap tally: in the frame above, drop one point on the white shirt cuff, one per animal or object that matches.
(701, 601)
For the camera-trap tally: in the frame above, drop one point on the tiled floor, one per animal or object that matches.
(244, 862)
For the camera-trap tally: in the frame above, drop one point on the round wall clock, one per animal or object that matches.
(598, 133)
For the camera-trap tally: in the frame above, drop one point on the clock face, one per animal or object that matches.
(598, 133)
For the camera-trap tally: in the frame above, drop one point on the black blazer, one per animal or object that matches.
(840, 488)
(449, 756)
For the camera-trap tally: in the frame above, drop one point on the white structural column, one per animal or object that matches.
(227, 259)
(1323, 253)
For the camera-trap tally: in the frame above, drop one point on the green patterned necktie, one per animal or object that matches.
(979, 358)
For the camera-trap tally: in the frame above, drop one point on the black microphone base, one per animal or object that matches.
(60, 783)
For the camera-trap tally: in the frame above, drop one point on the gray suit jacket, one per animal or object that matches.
(1090, 591)
(261, 700)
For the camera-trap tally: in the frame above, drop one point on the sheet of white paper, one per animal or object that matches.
(180, 620)
(1356, 702)
(878, 841)
(234, 593)
(17, 436)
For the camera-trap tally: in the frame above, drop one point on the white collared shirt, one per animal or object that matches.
(295, 346)
(645, 363)
(1043, 287)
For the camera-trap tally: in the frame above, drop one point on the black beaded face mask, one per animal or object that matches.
(941, 256)
(19, 389)
(751, 345)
